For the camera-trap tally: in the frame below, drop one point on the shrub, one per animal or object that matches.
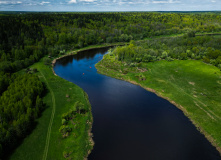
(64, 122)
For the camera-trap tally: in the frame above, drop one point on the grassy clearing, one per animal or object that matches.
(193, 86)
(45, 142)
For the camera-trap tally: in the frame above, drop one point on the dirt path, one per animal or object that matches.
(51, 120)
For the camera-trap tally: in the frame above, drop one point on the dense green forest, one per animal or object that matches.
(206, 48)
(20, 105)
(27, 37)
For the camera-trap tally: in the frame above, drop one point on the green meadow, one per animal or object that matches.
(193, 86)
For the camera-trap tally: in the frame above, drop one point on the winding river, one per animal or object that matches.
(131, 123)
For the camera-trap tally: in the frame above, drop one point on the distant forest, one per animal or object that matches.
(27, 37)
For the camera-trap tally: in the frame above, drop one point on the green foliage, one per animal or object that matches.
(20, 104)
(141, 77)
(181, 48)
(66, 117)
(169, 59)
(64, 122)
(47, 61)
(164, 55)
(190, 34)
(64, 129)
(65, 154)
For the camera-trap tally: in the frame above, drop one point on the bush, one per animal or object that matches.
(64, 129)
(64, 122)
(164, 55)
(47, 61)
(65, 154)
(190, 34)
(206, 60)
(35, 70)
(169, 59)
(141, 77)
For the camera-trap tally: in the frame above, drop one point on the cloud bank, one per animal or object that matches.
(110, 5)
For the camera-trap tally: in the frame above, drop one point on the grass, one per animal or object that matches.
(45, 142)
(193, 86)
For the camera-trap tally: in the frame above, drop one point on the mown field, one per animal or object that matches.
(45, 142)
(193, 86)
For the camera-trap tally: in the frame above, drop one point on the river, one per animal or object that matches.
(131, 123)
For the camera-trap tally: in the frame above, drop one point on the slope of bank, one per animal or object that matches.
(193, 86)
(45, 142)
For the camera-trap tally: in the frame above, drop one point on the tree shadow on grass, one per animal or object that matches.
(16, 141)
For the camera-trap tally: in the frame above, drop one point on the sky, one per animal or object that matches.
(110, 5)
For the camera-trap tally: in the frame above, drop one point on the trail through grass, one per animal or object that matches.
(51, 120)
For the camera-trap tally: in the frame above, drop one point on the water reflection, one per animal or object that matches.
(80, 55)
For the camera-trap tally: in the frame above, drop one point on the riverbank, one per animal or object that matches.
(46, 139)
(191, 86)
(86, 49)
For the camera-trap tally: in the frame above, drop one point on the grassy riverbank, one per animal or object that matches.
(193, 86)
(45, 142)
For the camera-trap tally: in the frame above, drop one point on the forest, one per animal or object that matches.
(20, 105)
(27, 37)
(204, 48)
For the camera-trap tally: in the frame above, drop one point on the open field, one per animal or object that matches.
(193, 86)
(45, 142)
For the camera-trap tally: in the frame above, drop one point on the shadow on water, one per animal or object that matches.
(130, 122)
(79, 56)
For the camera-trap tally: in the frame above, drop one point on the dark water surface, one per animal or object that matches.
(131, 123)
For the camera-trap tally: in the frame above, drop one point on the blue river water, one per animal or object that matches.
(131, 123)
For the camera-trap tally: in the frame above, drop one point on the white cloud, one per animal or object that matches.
(170, 1)
(42, 3)
(87, 0)
(72, 1)
(10, 2)
(214, 1)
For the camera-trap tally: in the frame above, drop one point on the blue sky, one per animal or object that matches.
(110, 5)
